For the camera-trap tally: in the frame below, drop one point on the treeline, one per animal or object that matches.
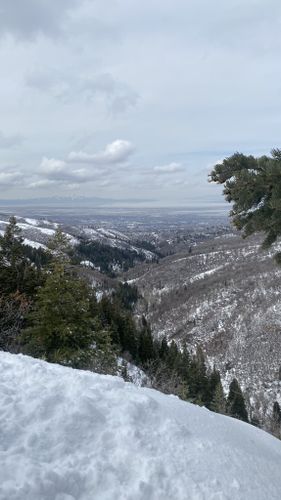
(47, 311)
(170, 369)
(107, 259)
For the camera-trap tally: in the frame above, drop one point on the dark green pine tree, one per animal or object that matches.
(277, 412)
(183, 365)
(213, 390)
(16, 271)
(198, 380)
(218, 402)
(128, 336)
(164, 348)
(173, 356)
(146, 346)
(61, 327)
(213, 380)
(275, 425)
(253, 186)
(235, 402)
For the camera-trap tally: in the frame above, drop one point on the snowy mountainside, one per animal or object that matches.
(36, 233)
(115, 239)
(73, 435)
(225, 296)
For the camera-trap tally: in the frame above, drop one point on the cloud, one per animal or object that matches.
(118, 96)
(10, 141)
(173, 83)
(116, 152)
(52, 166)
(80, 168)
(170, 168)
(10, 177)
(25, 19)
(42, 183)
(61, 171)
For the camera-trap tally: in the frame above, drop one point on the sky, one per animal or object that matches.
(134, 100)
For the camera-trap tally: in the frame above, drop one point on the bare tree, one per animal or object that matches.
(12, 312)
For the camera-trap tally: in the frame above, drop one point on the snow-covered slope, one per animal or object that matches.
(225, 296)
(35, 232)
(115, 239)
(72, 435)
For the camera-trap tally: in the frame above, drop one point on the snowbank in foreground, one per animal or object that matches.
(69, 434)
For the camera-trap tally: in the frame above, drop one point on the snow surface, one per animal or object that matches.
(33, 244)
(32, 222)
(86, 263)
(204, 274)
(72, 435)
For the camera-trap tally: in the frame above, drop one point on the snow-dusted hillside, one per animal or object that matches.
(36, 232)
(115, 239)
(72, 435)
(226, 296)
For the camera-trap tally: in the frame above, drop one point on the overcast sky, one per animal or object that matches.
(133, 99)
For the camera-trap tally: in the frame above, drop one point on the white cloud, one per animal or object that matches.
(170, 168)
(52, 166)
(118, 151)
(81, 168)
(42, 183)
(10, 178)
(172, 83)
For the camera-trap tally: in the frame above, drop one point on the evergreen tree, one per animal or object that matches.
(17, 274)
(214, 380)
(253, 185)
(61, 327)
(173, 356)
(198, 380)
(218, 402)
(128, 337)
(59, 247)
(275, 426)
(145, 348)
(103, 355)
(126, 295)
(164, 348)
(235, 402)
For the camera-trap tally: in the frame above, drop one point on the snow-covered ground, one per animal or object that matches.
(72, 435)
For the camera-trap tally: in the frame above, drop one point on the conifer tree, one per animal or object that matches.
(17, 275)
(235, 402)
(59, 248)
(173, 355)
(145, 349)
(198, 380)
(275, 426)
(61, 327)
(218, 402)
(253, 185)
(164, 348)
(214, 380)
